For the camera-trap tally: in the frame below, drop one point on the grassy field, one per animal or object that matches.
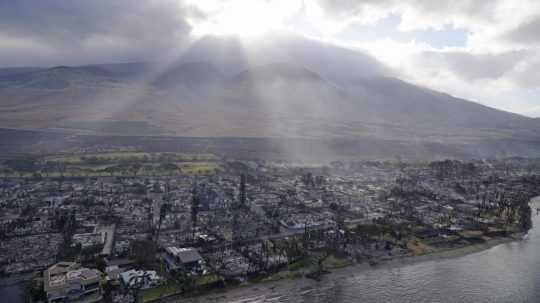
(293, 270)
(207, 280)
(334, 262)
(163, 290)
(128, 156)
(112, 164)
(285, 274)
(173, 287)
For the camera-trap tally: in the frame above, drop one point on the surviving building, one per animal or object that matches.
(187, 259)
(140, 279)
(69, 282)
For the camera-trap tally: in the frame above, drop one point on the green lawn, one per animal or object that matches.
(286, 274)
(300, 264)
(333, 262)
(207, 279)
(163, 290)
(172, 287)
(129, 156)
(293, 270)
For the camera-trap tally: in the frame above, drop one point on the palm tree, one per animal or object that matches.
(185, 280)
(136, 284)
(162, 212)
(195, 201)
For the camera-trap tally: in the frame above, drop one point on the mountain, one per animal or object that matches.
(417, 105)
(125, 71)
(59, 77)
(339, 65)
(277, 71)
(329, 100)
(191, 74)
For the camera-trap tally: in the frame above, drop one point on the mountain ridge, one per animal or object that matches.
(272, 97)
(383, 96)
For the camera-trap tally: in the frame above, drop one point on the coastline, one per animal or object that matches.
(251, 288)
(429, 257)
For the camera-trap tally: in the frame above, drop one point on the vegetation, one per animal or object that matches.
(286, 274)
(111, 164)
(331, 261)
(66, 223)
(128, 156)
(207, 280)
(33, 291)
(163, 290)
(143, 252)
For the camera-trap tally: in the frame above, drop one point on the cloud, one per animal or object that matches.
(416, 14)
(497, 66)
(525, 33)
(475, 76)
(472, 67)
(34, 32)
(527, 73)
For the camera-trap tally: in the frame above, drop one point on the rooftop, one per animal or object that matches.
(186, 255)
(65, 273)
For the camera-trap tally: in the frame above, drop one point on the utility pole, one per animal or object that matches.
(243, 190)
(195, 201)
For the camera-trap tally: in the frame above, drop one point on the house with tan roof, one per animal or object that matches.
(69, 282)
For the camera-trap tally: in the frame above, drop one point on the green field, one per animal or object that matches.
(207, 280)
(112, 164)
(173, 287)
(163, 290)
(334, 262)
(128, 156)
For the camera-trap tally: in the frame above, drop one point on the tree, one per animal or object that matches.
(135, 168)
(111, 170)
(168, 166)
(243, 197)
(101, 265)
(33, 292)
(195, 202)
(143, 252)
(164, 208)
(136, 283)
(107, 292)
(525, 217)
(65, 222)
(186, 281)
(24, 165)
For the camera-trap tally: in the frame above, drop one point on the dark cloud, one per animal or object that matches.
(526, 33)
(75, 32)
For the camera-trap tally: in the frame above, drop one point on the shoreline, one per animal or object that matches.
(430, 257)
(251, 288)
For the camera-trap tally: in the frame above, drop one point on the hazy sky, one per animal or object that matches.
(483, 50)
